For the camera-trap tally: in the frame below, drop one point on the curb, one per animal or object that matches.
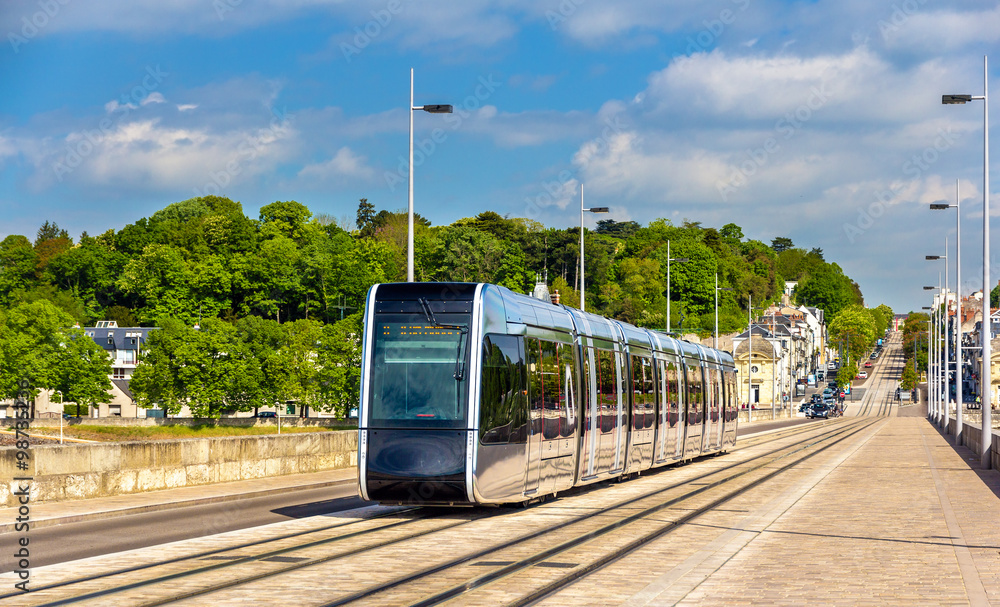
(197, 501)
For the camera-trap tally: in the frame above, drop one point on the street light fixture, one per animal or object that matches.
(430, 109)
(582, 211)
(669, 259)
(958, 308)
(985, 385)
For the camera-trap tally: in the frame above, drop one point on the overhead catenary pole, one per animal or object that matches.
(749, 357)
(409, 203)
(987, 429)
(946, 410)
(430, 109)
(592, 210)
(583, 306)
(959, 397)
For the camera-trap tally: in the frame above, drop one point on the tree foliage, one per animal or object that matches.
(278, 299)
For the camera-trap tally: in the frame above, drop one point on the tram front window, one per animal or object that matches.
(419, 374)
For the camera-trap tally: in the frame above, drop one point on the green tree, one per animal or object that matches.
(731, 233)
(339, 365)
(160, 378)
(856, 326)
(18, 261)
(826, 288)
(847, 372)
(161, 282)
(366, 218)
(35, 339)
(781, 243)
(298, 359)
(288, 219)
(909, 379)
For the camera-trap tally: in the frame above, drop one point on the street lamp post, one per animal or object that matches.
(933, 364)
(715, 340)
(669, 259)
(947, 380)
(749, 351)
(985, 386)
(958, 309)
(582, 210)
(431, 109)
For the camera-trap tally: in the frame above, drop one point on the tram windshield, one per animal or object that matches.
(419, 371)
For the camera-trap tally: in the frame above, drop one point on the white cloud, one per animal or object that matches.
(941, 30)
(345, 163)
(186, 107)
(154, 97)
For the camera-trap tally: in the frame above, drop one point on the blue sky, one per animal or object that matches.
(816, 120)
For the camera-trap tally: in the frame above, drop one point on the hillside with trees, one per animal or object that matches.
(276, 298)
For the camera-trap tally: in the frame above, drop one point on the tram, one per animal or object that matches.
(474, 394)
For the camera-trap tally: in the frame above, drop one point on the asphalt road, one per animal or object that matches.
(62, 543)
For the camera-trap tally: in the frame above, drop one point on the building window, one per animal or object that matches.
(115, 410)
(118, 373)
(754, 369)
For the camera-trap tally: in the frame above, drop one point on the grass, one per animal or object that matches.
(147, 433)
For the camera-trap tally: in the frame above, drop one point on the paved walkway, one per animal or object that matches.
(907, 519)
(53, 513)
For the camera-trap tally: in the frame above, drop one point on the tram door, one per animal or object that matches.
(536, 413)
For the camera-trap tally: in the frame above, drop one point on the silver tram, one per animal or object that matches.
(473, 394)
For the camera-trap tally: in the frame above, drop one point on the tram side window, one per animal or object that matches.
(715, 395)
(695, 394)
(551, 382)
(607, 399)
(536, 384)
(570, 394)
(643, 393)
(503, 410)
(673, 394)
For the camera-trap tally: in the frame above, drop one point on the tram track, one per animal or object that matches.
(519, 572)
(282, 549)
(879, 399)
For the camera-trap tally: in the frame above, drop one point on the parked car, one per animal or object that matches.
(820, 410)
(267, 414)
(874, 355)
(862, 375)
(868, 364)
